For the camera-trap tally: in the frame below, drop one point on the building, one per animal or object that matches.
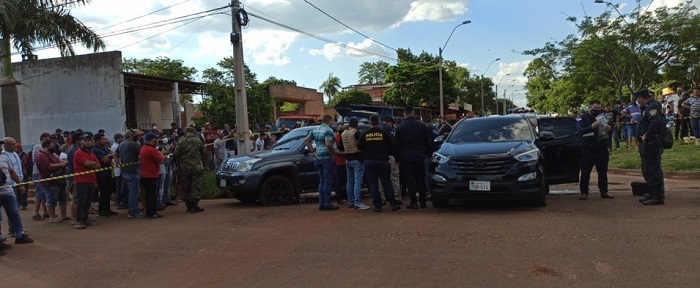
(91, 92)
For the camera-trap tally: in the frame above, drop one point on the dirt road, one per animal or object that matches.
(569, 243)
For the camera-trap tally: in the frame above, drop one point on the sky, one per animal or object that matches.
(498, 29)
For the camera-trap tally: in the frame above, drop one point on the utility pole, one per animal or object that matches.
(242, 127)
(505, 109)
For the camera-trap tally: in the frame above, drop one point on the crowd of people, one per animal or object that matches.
(134, 170)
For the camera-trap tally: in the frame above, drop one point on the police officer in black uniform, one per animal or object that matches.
(650, 129)
(412, 145)
(594, 149)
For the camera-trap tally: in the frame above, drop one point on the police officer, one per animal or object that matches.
(650, 128)
(376, 147)
(190, 154)
(412, 145)
(594, 149)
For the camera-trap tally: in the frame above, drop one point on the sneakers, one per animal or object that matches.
(361, 206)
(103, 215)
(5, 246)
(195, 209)
(136, 215)
(154, 216)
(24, 239)
(79, 225)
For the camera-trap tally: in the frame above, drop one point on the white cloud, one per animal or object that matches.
(269, 47)
(434, 10)
(512, 73)
(471, 68)
(331, 51)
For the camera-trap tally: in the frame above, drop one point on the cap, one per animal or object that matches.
(642, 93)
(101, 131)
(86, 135)
(44, 135)
(149, 136)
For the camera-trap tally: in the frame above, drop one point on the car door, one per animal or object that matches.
(308, 174)
(561, 146)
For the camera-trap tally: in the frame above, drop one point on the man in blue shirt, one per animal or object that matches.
(323, 138)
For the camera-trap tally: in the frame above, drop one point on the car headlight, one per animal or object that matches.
(528, 156)
(246, 165)
(439, 158)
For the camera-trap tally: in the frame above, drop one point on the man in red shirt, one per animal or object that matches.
(84, 160)
(209, 136)
(150, 169)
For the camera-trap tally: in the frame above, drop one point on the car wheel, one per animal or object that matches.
(441, 203)
(276, 190)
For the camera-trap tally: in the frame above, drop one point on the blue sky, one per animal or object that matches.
(499, 29)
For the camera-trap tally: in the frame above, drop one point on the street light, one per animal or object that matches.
(612, 5)
(482, 86)
(440, 49)
(499, 83)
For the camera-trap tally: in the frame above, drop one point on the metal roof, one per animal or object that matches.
(155, 83)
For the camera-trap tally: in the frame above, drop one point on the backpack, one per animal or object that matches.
(667, 136)
(28, 163)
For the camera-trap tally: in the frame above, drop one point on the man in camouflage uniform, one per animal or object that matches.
(190, 154)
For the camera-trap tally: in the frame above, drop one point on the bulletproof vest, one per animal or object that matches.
(349, 142)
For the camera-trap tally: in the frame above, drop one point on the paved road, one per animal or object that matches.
(569, 243)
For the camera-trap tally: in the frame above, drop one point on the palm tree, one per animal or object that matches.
(373, 72)
(26, 23)
(330, 87)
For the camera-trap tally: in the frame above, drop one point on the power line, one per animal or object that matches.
(321, 38)
(158, 34)
(346, 26)
(198, 30)
(144, 15)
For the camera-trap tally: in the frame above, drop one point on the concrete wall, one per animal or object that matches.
(153, 107)
(310, 101)
(81, 92)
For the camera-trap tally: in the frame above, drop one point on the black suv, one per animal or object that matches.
(503, 157)
(272, 177)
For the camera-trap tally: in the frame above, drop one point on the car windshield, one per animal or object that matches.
(292, 140)
(503, 130)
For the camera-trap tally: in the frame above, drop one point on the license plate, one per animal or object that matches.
(223, 183)
(480, 185)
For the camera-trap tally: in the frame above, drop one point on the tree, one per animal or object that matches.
(373, 72)
(353, 96)
(331, 86)
(160, 67)
(611, 57)
(415, 81)
(26, 23)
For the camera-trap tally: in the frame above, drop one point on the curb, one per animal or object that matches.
(668, 175)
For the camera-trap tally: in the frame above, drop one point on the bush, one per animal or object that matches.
(210, 189)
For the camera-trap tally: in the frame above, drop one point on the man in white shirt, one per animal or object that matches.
(260, 142)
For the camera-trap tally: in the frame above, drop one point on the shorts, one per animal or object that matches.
(629, 130)
(39, 193)
(53, 195)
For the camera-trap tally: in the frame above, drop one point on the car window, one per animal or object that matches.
(292, 140)
(560, 127)
(503, 130)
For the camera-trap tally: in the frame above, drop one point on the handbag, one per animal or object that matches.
(667, 137)
(61, 181)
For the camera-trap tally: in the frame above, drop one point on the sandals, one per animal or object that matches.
(584, 196)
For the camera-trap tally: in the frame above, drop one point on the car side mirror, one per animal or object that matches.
(546, 136)
(439, 139)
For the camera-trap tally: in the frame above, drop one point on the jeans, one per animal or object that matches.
(341, 178)
(122, 196)
(377, 170)
(164, 191)
(598, 158)
(131, 185)
(22, 198)
(107, 187)
(9, 202)
(614, 134)
(695, 124)
(82, 197)
(150, 191)
(39, 191)
(681, 127)
(325, 173)
(354, 185)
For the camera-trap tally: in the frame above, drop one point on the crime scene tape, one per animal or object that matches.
(74, 174)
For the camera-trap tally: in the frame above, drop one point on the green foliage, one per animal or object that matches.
(210, 189)
(611, 57)
(219, 105)
(160, 67)
(331, 87)
(353, 96)
(289, 107)
(27, 23)
(682, 157)
(415, 81)
(373, 72)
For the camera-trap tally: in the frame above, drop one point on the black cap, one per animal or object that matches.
(86, 135)
(642, 93)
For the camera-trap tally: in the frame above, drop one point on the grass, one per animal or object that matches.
(210, 189)
(680, 158)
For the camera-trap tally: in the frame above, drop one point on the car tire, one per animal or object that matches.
(276, 190)
(441, 203)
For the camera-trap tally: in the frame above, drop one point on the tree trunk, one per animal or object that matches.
(10, 96)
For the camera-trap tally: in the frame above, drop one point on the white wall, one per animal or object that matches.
(81, 92)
